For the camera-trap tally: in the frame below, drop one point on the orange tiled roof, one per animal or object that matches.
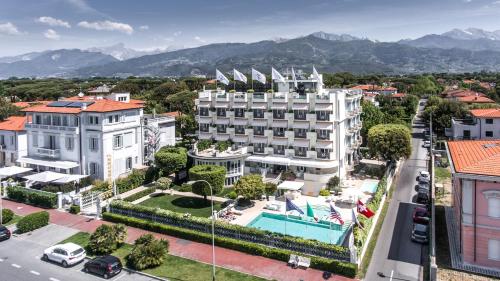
(172, 114)
(461, 93)
(24, 104)
(99, 105)
(475, 99)
(134, 101)
(13, 123)
(373, 88)
(398, 95)
(476, 157)
(489, 112)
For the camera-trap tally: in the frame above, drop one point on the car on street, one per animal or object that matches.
(427, 144)
(420, 233)
(424, 176)
(105, 266)
(422, 197)
(421, 215)
(4, 233)
(423, 187)
(65, 254)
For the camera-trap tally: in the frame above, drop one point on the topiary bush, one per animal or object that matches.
(232, 195)
(215, 175)
(250, 186)
(171, 159)
(74, 209)
(148, 252)
(7, 215)
(324, 192)
(106, 239)
(163, 183)
(33, 221)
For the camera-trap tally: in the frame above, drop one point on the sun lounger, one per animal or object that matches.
(299, 261)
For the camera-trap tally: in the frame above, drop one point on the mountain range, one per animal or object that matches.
(458, 50)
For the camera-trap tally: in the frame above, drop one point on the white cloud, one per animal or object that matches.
(496, 2)
(51, 34)
(53, 22)
(144, 27)
(198, 38)
(9, 29)
(107, 25)
(177, 33)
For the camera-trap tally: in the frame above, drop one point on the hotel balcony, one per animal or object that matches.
(259, 97)
(48, 152)
(323, 155)
(324, 98)
(300, 98)
(205, 96)
(240, 97)
(71, 129)
(223, 96)
(280, 97)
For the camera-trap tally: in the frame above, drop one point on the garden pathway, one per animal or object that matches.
(230, 259)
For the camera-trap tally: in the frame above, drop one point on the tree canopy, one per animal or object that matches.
(390, 141)
(171, 159)
(250, 186)
(215, 175)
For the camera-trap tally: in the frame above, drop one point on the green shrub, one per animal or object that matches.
(140, 194)
(270, 188)
(163, 183)
(100, 185)
(33, 221)
(215, 175)
(232, 195)
(185, 188)
(250, 186)
(324, 192)
(106, 239)
(7, 215)
(74, 209)
(64, 188)
(334, 266)
(222, 146)
(33, 197)
(148, 252)
(133, 180)
(171, 159)
(203, 145)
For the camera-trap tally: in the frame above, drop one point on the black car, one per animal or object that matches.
(422, 197)
(106, 266)
(4, 233)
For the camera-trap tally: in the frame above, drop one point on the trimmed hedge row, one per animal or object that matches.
(139, 194)
(7, 215)
(33, 221)
(330, 265)
(33, 197)
(307, 246)
(135, 179)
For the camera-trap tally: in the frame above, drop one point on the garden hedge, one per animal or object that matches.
(7, 215)
(135, 179)
(33, 221)
(330, 265)
(33, 197)
(215, 175)
(140, 194)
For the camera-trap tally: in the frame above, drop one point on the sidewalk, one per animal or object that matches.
(230, 259)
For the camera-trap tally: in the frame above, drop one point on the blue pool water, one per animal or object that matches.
(295, 226)
(369, 186)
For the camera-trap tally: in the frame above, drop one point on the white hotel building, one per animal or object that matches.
(314, 132)
(101, 136)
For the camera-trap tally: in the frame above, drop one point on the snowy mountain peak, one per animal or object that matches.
(335, 37)
(472, 34)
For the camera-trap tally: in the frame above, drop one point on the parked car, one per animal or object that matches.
(427, 144)
(4, 233)
(422, 197)
(106, 266)
(424, 176)
(420, 233)
(423, 187)
(65, 254)
(421, 215)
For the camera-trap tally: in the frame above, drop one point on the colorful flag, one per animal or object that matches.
(317, 76)
(221, 78)
(335, 215)
(364, 210)
(310, 212)
(355, 219)
(276, 76)
(290, 207)
(258, 76)
(238, 76)
(294, 78)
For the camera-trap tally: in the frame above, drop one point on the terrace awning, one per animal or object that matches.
(12, 171)
(69, 178)
(48, 163)
(291, 185)
(45, 177)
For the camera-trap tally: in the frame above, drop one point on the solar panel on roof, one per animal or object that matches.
(79, 104)
(59, 104)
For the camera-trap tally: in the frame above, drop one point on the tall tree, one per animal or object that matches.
(390, 141)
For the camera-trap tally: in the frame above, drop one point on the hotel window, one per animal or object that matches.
(239, 112)
(70, 143)
(117, 118)
(489, 121)
(128, 163)
(494, 207)
(93, 120)
(489, 134)
(204, 127)
(12, 157)
(221, 112)
(128, 139)
(65, 120)
(93, 169)
(38, 119)
(56, 120)
(110, 119)
(204, 111)
(118, 141)
(494, 249)
(2, 140)
(93, 144)
(35, 140)
(12, 140)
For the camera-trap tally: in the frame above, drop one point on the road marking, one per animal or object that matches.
(392, 273)
(34, 272)
(16, 265)
(53, 279)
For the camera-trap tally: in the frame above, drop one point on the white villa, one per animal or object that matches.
(485, 124)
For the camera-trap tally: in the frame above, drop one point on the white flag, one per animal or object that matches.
(317, 77)
(258, 76)
(238, 76)
(276, 76)
(294, 79)
(221, 78)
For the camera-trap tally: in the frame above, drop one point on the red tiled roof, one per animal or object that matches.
(461, 93)
(13, 123)
(373, 88)
(49, 109)
(398, 95)
(489, 112)
(172, 114)
(475, 99)
(476, 157)
(24, 104)
(133, 101)
(99, 105)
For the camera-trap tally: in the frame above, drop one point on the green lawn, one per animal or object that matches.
(174, 268)
(182, 204)
(442, 173)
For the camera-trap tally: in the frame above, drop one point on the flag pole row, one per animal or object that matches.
(260, 77)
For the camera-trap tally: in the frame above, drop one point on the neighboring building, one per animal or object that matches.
(12, 140)
(484, 124)
(383, 90)
(313, 132)
(474, 100)
(475, 169)
(101, 136)
(397, 96)
(454, 94)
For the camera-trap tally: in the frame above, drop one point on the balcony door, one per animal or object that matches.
(52, 142)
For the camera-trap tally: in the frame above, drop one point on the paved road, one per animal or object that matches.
(394, 252)
(20, 259)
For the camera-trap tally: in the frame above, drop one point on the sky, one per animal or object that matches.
(35, 25)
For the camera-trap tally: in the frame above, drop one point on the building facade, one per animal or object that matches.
(309, 130)
(12, 140)
(483, 124)
(476, 200)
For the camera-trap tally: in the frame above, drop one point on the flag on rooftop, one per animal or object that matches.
(290, 206)
(258, 76)
(317, 76)
(355, 219)
(238, 76)
(294, 78)
(276, 76)
(310, 212)
(335, 215)
(221, 78)
(364, 210)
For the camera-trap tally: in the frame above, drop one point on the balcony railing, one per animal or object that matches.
(258, 132)
(258, 115)
(239, 131)
(323, 117)
(279, 151)
(323, 137)
(51, 127)
(301, 153)
(301, 135)
(279, 133)
(279, 115)
(258, 149)
(323, 155)
(300, 116)
(48, 152)
(259, 96)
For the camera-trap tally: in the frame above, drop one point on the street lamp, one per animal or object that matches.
(213, 223)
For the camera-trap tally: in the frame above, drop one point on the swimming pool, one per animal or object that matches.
(369, 186)
(295, 226)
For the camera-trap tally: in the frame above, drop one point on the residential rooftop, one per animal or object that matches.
(486, 113)
(476, 157)
(92, 105)
(13, 123)
(475, 99)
